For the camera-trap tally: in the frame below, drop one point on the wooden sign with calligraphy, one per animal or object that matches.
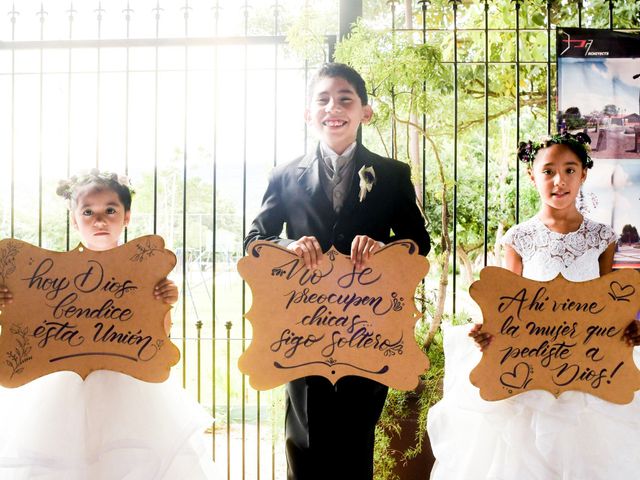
(557, 335)
(84, 310)
(333, 321)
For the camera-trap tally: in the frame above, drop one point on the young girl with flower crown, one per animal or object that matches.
(109, 426)
(535, 436)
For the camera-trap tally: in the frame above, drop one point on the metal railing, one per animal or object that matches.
(197, 100)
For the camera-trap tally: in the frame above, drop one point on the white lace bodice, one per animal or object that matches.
(545, 253)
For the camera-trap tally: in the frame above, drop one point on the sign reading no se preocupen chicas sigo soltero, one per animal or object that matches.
(557, 335)
(84, 311)
(335, 320)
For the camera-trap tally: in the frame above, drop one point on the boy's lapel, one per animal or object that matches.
(309, 179)
(309, 173)
(361, 159)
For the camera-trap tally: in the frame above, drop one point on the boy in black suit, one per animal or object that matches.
(343, 195)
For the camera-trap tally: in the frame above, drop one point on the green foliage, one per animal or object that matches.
(410, 84)
(399, 405)
(610, 109)
(397, 408)
(573, 119)
(413, 88)
(306, 34)
(169, 205)
(469, 107)
(402, 74)
(595, 14)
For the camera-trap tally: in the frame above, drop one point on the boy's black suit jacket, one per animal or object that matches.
(324, 422)
(296, 198)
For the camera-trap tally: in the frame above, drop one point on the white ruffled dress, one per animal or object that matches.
(108, 427)
(534, 436)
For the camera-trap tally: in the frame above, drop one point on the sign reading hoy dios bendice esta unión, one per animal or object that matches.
(84, 311)
(335, 320)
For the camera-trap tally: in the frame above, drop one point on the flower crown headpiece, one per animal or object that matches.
(66, 188)
(527, 151)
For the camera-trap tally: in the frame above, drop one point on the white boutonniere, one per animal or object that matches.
(367, 181)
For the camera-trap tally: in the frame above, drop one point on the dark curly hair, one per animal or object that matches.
(578, 144)
(70, 188)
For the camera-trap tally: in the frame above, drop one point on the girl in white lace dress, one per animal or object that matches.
(110, 426)
(535, 436)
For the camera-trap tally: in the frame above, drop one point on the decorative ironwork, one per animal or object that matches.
(211, 326)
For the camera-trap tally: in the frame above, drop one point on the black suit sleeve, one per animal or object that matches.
(408, 221)
(270, 220)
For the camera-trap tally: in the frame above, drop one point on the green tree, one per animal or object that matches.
(416, 87)
(168, 196)
(610, 109)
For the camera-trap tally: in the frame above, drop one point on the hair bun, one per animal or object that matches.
(583, 138)
(527, 151)
(64, 189)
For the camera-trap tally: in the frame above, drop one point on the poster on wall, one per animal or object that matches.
(599, 94)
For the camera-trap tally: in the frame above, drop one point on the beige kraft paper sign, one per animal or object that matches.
(333, 321)
(557, 335)
(84, 311)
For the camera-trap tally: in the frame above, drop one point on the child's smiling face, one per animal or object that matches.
(100, 217)
(335, 112)
(558, 174)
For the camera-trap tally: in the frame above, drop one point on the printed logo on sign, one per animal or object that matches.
(581, 44)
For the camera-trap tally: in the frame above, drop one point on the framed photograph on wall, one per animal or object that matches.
(599, 94)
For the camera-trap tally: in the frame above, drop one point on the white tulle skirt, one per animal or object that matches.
(108, 427)
(532, 436)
